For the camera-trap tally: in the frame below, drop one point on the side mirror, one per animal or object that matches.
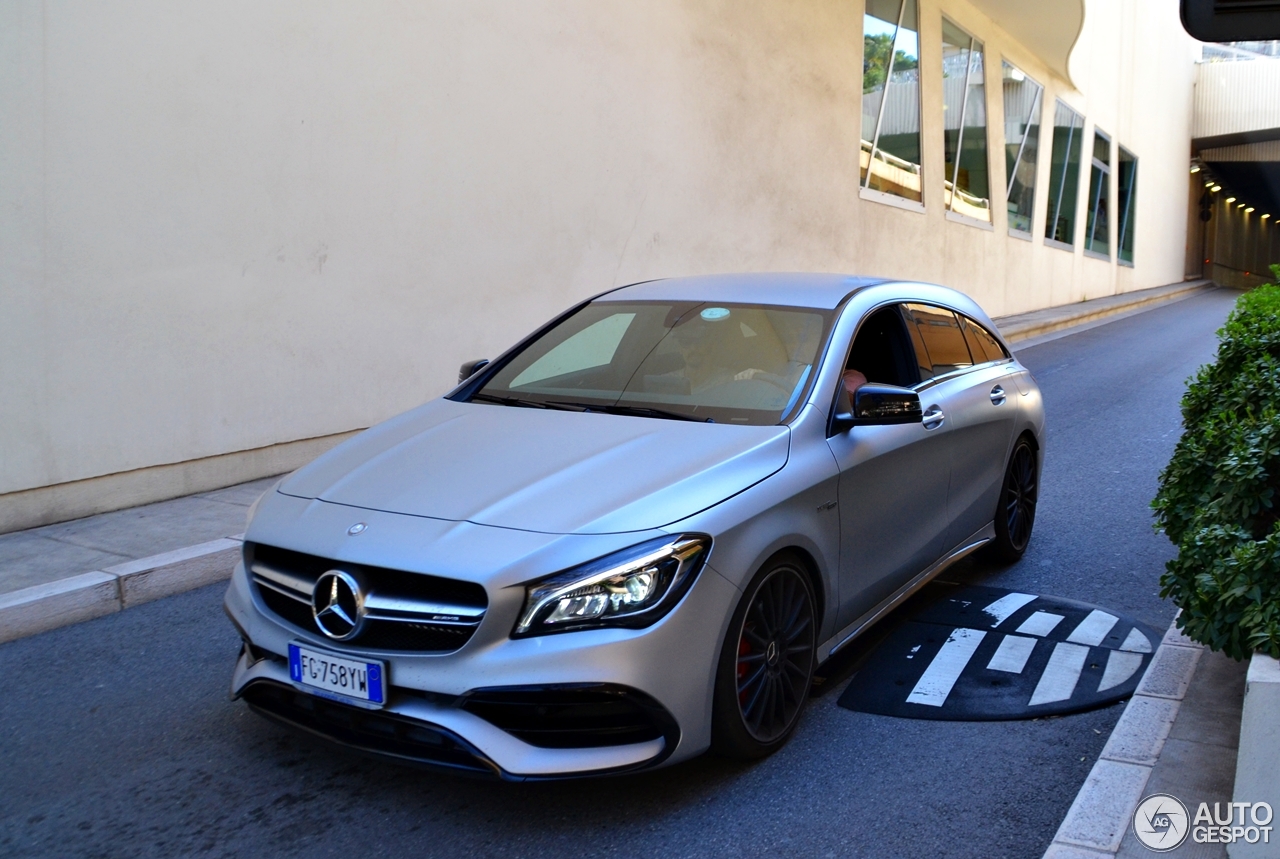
(469, 369)
(886, 404)
(875, 405)
(842, 420)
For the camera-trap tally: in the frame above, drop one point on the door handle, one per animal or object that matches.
(997, 396)
(932, 418)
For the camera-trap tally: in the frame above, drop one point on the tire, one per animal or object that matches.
(766, 663)
(1016, 511)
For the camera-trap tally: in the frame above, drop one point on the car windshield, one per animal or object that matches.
(728, 363)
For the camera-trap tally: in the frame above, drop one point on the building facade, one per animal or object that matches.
(233, 233)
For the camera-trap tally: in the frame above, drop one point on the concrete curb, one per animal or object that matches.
(1258, 759)
(1037, 324)
(101, 592)
(1102, 811)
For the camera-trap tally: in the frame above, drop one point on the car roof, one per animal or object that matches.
(795, 289)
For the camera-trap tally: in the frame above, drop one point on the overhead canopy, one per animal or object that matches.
(1235, 128)
(1047, 28)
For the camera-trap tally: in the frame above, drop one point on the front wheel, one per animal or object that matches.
(766, 663)
(1016, 512)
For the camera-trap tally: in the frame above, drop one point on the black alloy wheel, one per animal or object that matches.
(1016, 512)
(766, 665)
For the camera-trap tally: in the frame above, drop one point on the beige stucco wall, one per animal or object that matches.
(225, 226)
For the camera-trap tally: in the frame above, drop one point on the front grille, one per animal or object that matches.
(366, 730)
(576, 716)
(407, 612)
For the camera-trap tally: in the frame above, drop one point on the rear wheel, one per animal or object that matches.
(1016, 512)
(766, 663)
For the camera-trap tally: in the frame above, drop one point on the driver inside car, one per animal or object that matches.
(853, 380)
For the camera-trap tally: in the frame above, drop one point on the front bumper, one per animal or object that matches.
(432, 715)
(432, 734)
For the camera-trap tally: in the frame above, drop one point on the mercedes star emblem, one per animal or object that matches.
(337, 603)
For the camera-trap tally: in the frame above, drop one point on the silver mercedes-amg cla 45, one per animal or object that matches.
(635, 535)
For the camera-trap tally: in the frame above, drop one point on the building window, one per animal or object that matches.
(1128, 176)
(1064, 176)
(1097, 231)
(1021, 142)
(967, 189)
(891, 99)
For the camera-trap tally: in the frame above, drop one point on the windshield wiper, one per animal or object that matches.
(640, 411)
(508, 401)
(648, 412)
(531, 404)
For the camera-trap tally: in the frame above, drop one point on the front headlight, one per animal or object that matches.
(631, 588)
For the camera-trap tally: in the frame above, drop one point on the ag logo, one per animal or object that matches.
(1160, 822)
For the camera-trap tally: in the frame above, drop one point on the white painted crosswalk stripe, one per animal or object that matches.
(1041, 623)
(1059, 678)
(1093, 628)
(935, 684)
(1120, 667)
(1136, 642)
(1012, 654)
(1007, 605)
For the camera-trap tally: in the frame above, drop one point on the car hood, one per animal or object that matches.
(556, 472)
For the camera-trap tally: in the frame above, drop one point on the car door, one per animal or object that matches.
(893, 479)
(985, 418)
(968, 393)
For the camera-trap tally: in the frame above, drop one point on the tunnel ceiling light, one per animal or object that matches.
(1195, 168)
(1216, 188)
(1209, 184)
(1231, 199)
(1267, 215)
(1248, 209)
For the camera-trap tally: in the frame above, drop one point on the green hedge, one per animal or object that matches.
(1219, 496)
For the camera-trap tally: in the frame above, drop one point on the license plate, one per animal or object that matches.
(338, 676)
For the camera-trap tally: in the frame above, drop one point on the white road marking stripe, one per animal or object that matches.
(1136, 642)
(1012, 654)
(935, 683)
(1120, 667)
(1093, 628)
(1041, 623)
(1007, 605)
(1059, 678)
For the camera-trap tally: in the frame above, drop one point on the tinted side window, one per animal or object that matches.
(982, 344)
(941, 336)
(917, 343)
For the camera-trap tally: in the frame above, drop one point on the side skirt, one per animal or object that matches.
(967, 547)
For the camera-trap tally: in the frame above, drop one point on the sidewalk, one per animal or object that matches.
(78, 570)
(1179, 736)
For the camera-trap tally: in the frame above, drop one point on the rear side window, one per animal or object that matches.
(982, 344)
(940, 338)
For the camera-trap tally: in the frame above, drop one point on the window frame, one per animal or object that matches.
(1057, 199)
(1036, 113)
(1099, 190)
(874, 194)
(1129, 196)
(979, 47)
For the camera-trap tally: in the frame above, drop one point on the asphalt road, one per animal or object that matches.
(119, 738)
